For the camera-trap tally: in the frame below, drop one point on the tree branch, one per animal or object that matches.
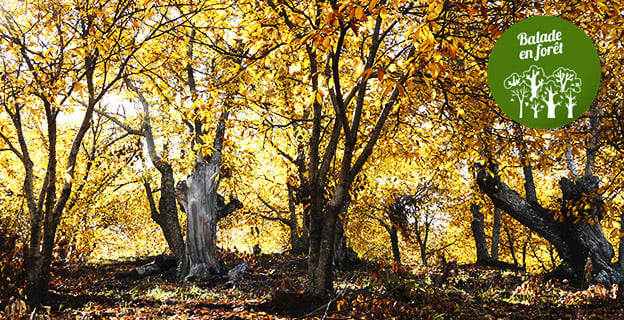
(374, 135)
(116, 121)
(147, 125)
(150, 198)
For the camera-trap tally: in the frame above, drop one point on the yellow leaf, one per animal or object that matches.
(319, 97)
(383, 13)
(359, 13)
(372, 5)
(367, 72)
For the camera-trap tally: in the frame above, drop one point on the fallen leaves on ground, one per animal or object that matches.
(274, 288)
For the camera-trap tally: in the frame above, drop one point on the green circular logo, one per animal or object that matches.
(544, 72)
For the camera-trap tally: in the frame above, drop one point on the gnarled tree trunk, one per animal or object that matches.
(575, 231)
(200, 202)
(204, 208)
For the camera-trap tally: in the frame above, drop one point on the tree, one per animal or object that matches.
(166, 213)
(569, 102)
(415, 219)
(298, 234)
(198, 194)
(575, 230)
(51, 63)
(355, 74)
(567, 79)
(194, 85)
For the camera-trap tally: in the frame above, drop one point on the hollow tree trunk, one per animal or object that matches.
(200, 202)
(479, 234)
(204, 208)
(567, 230)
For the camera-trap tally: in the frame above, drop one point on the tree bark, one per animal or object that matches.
(394, 242)
(344, 256)
(496, 233)
(575, 231)
(322, 272)
(166, 216)
(478, 232)
(299, 239)
(200, 202)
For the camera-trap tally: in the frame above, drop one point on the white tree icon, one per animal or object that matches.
(536, 106)
(518, 89)
(567, 79)
(535, 78)
(569, 102)
(548, 95)
(536, 90)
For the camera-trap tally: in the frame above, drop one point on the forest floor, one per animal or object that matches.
(273, 288)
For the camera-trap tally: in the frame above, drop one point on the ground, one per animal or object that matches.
(273, 288)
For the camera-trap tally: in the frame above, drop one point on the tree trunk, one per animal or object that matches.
(621, 244)
(316, 229)
(204, 208)
(299, 244)
(200, 202)
(299, 239)
(344, 256)
(512, 248)
(575, 231)
(322, 271)
(166, 216)
(37, 284)
(496, 233)
(394, 241)
(38, 266)
(479, 234)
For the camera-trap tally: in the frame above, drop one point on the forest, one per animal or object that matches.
(284, 159)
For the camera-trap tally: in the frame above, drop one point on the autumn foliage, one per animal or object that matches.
(361, 128)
